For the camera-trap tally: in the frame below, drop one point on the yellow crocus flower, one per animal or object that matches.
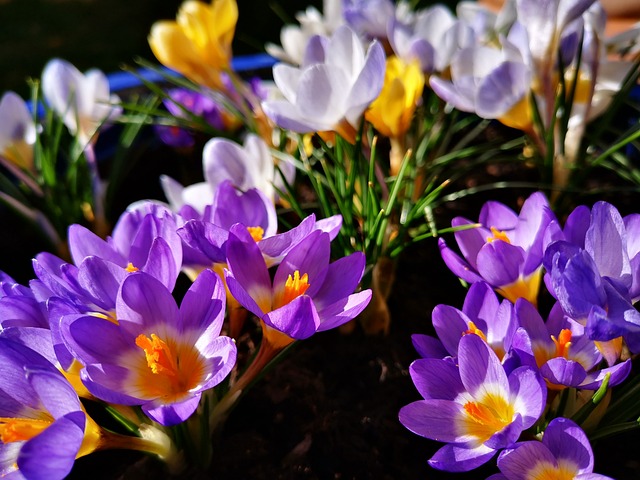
(198, 43)
(392, 111)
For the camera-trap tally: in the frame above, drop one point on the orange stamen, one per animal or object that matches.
(563, 342)
(295, 286)
(20, 429)
(256, 233)
(160, 359)
(475, 330)
(498, 235)
(131, 268)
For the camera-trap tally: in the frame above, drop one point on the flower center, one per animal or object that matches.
(562, 343)
(21, 429)
(256, 233)
(498, 235)
(547, 471)
(131, 268)
(295, 286)
(475, 330)
(159, 357)
(484, 418)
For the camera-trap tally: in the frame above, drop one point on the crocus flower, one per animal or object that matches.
(294, 39)
(491, 82)
(82, 100)
(198, 43)
(43, 428)
(155, 354)
(332, 88)
(17, 131)
(432, 38)
(564, 452)
(474, 407)
(563, 352)
(369, 18)
(308, 294)
(506, 251)
(482, 314)
(247, 166)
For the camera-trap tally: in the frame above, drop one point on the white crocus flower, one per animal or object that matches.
(17, 131)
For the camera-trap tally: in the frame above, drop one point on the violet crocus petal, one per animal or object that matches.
(106, 382)
(561, 371)
(51, 454)
(279, 245)
(203, 305)
(457, 265)
(576, 226)
(343, 310)
(297, 319)
(144, 302)
(321, 94)
(449, 324)
(428, 346)
(436, 379)
(249, 270)
(342, 277)
(310, 256)
(56, 394)
(449, 92)
(456, 458)
(92, 339)
(251, 208)
(368, 84)
(568, 442)
(243, 298)
(497, 215)
(481, 303)
(173, 413)
(101, 279)
(433, 418)
(221, 353)
(161, 263)
(286, 116)
(522, 348)
(37, 339)
(83, 243)
(206, 238)
(330, 225)
(58, 308)
(516, 463)
(499, 91)
(470, 240)
(606, 242)
(528, 393)
(23, 312)
(529, 318)
(500, 263)
(618, 373)
(286, 79)
(480, 369)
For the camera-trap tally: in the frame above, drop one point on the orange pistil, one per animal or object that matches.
(21, 429)
(160, 359)
(486, 417)
(295, 286)
(256, 233)
(131, 268)
(475, 330)
(498, 235)
(563, 342)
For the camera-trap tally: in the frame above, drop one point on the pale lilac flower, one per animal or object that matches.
(369, 18)
(17, 131)
(506, 250)
(475, 407)
(155, 354)
(83, 101)
(294, 39)
(564, 452)
(333, 87)
(247, 166)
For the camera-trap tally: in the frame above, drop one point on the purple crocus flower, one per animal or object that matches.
(563, 352)
(43, 428)
(200, 105)
(475, 407)
(482, 314)
(155, 354)
(332, 88)
(506, 250)
(369, 18)
(308, 294)
(564, 452)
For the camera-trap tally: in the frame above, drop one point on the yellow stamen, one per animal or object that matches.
(131, 268)
(21, 429)
(295, 286)
(563, 342)
(475, 330)
(256, 233)
(498, 235)
(160, 359)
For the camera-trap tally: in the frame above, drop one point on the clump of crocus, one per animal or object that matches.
(505, 250)
(153, 353)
